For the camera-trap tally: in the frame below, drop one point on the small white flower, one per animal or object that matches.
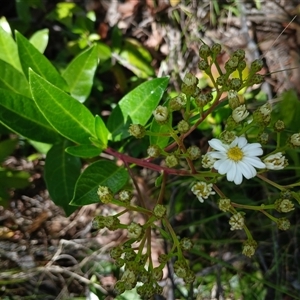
(237, 221)
(240, 113)
(161, 113)
(266, 109)
(275, 161)
(237, 159)
(295, 139)
(202, 190)
(208, 161)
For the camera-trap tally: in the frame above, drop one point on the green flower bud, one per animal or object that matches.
(129, 276)
(111, 222)
(263, 114)
(190, 277)
(231, 124)
(225, 204)
(143, 275)
(256, 79)
(116, 252)
(222, 80)
(137, 130)
(241, 66)
(119, 287)
(125, 196)
(263, 138)
(193, 152)
(134, 230)
(256, 65)
(279, 126)
(153, 151)
(129, 257)
(171, 161)
(163, 258)
(157, 274)
(189, 84)
(233, 99)
(183, 126)
(159, 211)
(203, 65)
(204, 51)
(232, 63)
(216, 49)
(239, 54)
(284, 205)
(249, 248)
(178, 102)
(286, 194)
(105, 194)
(283, 224)
(186, 244)
(161, 114)
(180, 269)
(235, 84)
(119, 262)
(227, 136)
(202, 99)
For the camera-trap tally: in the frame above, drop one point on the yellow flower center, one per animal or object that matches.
(235, 154)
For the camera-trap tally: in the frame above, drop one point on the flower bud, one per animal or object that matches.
(204, 51)
(239, 54)
(105, 194)
(180, 268)
(225, 205)
(134, 230)
(249, 248)
(279, 126)
(237, 221)
(125, 196)
(216, 49)
(159, 211)
(202, 190)
(193, 152)
(171, 161)
(137, 130)
(202, 99)
(284, 205)
(275, 161)
(178, 102)
(241, 66)
(153, 151)
(190, 277)
(186, 244)
(157, 274)
(263, 114)
(283, 224)
(221, 80)
(227, 137)
(256, 79)
(240, 113)
(295, 140)
(235, 84)
(116, 252)
(208, 161)
(233, 99)
(232, 63)
(119, 287)
(256, 65)
(189, 84)
(263, 138)
(161, 114)
(183, 126)
(203, 65)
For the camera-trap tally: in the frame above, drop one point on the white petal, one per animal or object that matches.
(217, 145)
(242, 142)
(232, 172)
(254, 161)
(225, 166)
(221, 162)
(218, 155)
(253, 149)
(247, 170)
(238, 178)
(234, 142)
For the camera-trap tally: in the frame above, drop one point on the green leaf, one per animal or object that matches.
(84, 151)
(101, 130)
(136, 58)
(31, 58)
(13, 80)
(79, 74)
(69, 117)
(40, 39)
(99, 173)
(136, 107)
(7, 147)
(61, 173)
(21, 115)
(9, 50)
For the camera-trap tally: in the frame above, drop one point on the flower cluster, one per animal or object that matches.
(202, 190)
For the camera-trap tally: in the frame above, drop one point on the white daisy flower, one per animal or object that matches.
(237, 159)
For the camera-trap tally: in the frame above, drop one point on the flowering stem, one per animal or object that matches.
(269, 216)
(163, 188)
(270, 182)
(146, 163)
(248, 233)
(253, 207)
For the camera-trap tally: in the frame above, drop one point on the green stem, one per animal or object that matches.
(248, 233)
(253, 207)
(278, 186)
